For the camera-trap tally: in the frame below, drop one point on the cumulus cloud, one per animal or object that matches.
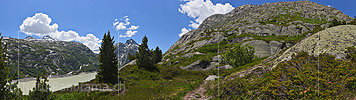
(123, 25)
(40, 25)
(91, 41)
(65, 35)
(120, 26)
(199, 10)
(128, 33)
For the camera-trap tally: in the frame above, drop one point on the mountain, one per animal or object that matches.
(301, 53)
(270, 28)
(124, 49)
(33, 55)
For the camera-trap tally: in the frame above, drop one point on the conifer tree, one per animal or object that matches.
(8, 90)
(157, 55)
(144, 56)
(131, 56)
(108, 68)
(41, 90)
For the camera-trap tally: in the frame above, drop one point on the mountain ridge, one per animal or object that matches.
(32, 56)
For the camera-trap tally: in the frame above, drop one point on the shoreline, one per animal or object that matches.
(50, 77)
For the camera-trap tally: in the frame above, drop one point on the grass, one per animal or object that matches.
(284, 19)
(145, 85)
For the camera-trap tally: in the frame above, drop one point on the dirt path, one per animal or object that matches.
(197, 94)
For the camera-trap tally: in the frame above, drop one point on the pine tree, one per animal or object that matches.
(144, 56)
(41, 90)
(8, 90)
(131, 56)
(108, 68)
(157, 55)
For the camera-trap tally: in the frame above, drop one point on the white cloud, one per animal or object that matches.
(123, 24)
(183, 31)
(133, 27)
(91, 41)
(129, 33)
(39, 25)
(65, 36)
(120, 26)
(199, 10)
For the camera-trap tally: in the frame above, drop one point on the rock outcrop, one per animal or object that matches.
(265, 49)
(332, 40)
(277, 19)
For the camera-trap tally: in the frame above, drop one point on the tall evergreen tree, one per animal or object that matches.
(144, 56)
(8, 90)
(157, 55)
(131, 56)
(41, 90)
(108, 68)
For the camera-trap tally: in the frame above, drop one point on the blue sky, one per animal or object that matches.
(160, 20)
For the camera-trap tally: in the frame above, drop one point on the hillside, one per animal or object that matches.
(57, 57)
(315, 68)
(255, 25)
(295, 51)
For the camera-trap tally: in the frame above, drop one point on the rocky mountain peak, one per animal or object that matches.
(29, 38)
(45, 38)
(124, 49)
(48, 38)
(130, 41)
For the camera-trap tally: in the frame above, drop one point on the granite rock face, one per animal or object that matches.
(332, 40)
(277, 19)
(265, 49)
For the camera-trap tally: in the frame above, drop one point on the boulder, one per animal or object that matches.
(332, 40)
(211, 77)
(264, 49)
(197, 65)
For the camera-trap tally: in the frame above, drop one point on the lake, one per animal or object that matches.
(58, 83)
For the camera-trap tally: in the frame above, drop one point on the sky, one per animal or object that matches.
(86, 21)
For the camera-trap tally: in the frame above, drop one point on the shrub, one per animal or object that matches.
(335, 22)
(303, 77)
(351, 53)
(239, 55)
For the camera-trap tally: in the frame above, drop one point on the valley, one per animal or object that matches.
(281, 50)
